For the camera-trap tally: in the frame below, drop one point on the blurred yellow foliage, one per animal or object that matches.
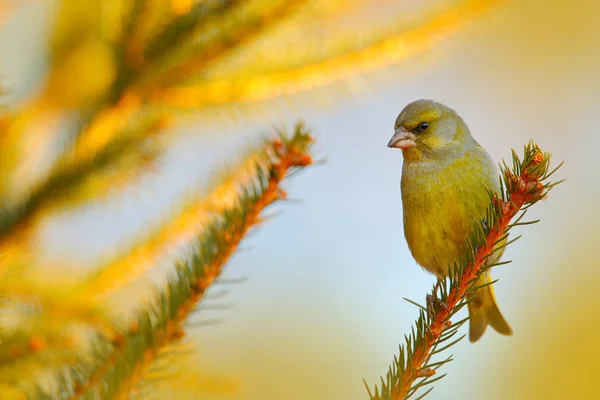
(180, 229)
(254, 79)
(181, 6)
(82, 76)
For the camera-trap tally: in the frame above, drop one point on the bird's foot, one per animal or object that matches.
(433, 303)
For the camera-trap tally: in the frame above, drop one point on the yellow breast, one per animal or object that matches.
(441, 203)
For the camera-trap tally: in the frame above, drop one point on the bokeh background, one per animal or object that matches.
(320, 306)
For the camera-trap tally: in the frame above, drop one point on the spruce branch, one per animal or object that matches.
(179, 228)
(57, 307)
(151, 57)
(120, 162)
(119, 364)
(33, 342)
(140, 25)
(522, 186)
(238, 27)
(96, 143)
(343, 58)
(85, 302)
(153, 36)
(185, 26)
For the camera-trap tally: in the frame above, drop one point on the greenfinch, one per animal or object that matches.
(446, 176)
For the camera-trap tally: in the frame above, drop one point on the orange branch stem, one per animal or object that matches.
(174, 329)
(287, 158)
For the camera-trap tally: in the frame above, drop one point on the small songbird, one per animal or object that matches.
(446, 176)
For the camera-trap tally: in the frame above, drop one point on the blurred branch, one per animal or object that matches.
(522, 186)
(84, 302)
(179, 228)
(34, 342)
(92, 68)
(56, 306)
(74, 183)
(348, 58)
(145, 43)
(174, 53)
(96, 144)
(120, 363)
(183, 27)
(243, 22)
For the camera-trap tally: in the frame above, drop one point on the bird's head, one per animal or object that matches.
(427, 128)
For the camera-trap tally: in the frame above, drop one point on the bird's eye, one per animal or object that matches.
(423, 126)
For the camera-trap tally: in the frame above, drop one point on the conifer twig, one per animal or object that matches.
(72, 183)
(83, 302)
(121, 364)
(180, 228)
(344, 59)
(523, 185)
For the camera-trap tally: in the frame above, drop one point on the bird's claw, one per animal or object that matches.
(433, 303)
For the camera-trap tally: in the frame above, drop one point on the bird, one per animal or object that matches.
(445, 184)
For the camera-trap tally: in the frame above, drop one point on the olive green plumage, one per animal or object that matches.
(444, 179)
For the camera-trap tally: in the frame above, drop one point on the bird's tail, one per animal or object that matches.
(484, 311)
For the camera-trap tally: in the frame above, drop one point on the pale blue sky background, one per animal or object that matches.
(323, 299)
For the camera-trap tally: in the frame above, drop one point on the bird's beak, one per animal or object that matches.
(402, 139)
